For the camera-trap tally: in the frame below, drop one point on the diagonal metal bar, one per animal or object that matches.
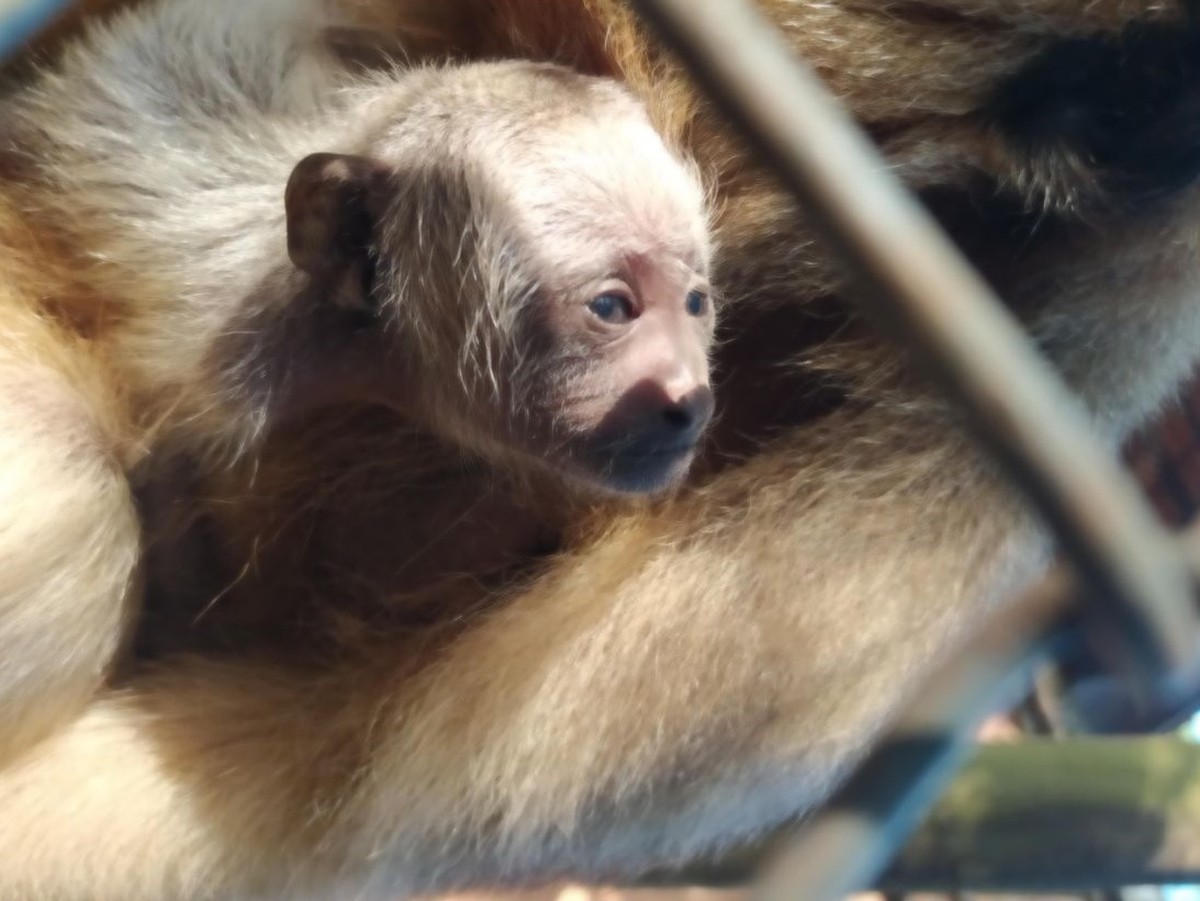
(850, 842)
(919, 284)
(1041, 815)
(22, 19)
(1062, 815)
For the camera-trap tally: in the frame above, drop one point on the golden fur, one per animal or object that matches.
(675, 676)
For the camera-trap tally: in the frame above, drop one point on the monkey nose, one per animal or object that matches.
(686, 419)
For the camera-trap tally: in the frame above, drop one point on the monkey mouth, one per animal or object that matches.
(663, 451)
(638, 467)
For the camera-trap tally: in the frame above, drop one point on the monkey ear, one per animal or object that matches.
(333, 204)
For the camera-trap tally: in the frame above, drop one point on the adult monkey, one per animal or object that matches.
(684, 675)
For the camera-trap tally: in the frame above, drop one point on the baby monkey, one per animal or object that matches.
(506, 252)
(511, 256)
(256, 231)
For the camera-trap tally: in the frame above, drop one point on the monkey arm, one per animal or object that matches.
(68, 532)
(683, 680)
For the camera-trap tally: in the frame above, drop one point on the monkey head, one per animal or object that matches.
(530, 260)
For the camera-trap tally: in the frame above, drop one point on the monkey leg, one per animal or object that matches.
(68, 531)
(689, 677)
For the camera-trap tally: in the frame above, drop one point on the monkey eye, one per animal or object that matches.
(615, 309)
(697, 303)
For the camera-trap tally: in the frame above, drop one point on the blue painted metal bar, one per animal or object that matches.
(24, 20)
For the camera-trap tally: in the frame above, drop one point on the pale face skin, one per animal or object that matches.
(634, 415)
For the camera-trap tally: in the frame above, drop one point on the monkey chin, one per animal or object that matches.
(633, 473)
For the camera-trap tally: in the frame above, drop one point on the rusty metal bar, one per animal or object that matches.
(920, 285)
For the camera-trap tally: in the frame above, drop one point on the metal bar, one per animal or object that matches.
(1062, 816)
(1037, 816)
(848, 843)
(20, 20)
(1016, 404)
(919, 284)
(851, 840)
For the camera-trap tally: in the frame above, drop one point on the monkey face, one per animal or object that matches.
(600, 238)
(536, 259)
(626, 399)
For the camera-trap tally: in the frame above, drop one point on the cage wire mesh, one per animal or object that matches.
(1127, 587)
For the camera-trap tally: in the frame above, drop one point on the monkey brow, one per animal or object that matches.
(693, 264)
